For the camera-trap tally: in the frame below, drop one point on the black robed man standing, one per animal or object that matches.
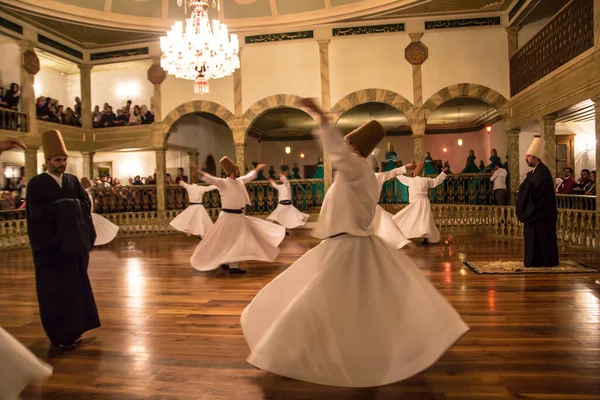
(61, 234)
(536, 209)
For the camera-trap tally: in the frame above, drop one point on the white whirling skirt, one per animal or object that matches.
(106, 231)
(351, 312)
(193, 220)
(288, 216)
(236, 237)
(18, 367)
(416, 221)
(385, 227)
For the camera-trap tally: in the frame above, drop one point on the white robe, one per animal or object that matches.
(106, 231)
(383, 223)
(19, 367)
(236, 237)
(286, 214)
(352, 311)
(416, 219)
(194, 220)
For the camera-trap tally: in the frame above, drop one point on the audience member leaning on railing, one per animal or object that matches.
(10, 117)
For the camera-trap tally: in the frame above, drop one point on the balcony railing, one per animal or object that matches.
(124, 199)
(567, 35)
(576, 202)
(13, 120)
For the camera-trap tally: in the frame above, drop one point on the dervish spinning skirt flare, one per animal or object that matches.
(106, 231)
(236, 237)
(286, 214)
(416, 219)
(194, 220)
(18, 367)
(353, 311)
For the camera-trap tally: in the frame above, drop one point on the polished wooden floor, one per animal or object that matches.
(169, 332)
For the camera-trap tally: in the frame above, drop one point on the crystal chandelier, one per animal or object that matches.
(202, 50)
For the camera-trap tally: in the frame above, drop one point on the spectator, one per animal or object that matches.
(70, 118)
(12, 97)
(137, 181)
(97, 116)
(591, 189)
(568, 183)
(584, 181)
(22, 187)
(147, 116)
(77, 107)
(6, 201)
(180, 176)
(2, 98)
(134, 117)
(116, 182)
(122, 119)
(60, 115)
(499, 179)
(108, 117)
(127, 107)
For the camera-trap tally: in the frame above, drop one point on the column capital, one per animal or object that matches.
(88, 153)
(323, 42)
(514, 131)
(415, 36)
(85, 68)
(25, 45)
(548, 119)
(513, 30)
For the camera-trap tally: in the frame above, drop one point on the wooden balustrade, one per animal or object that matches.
(567, 35)
(12, 120)
(576, 202)
(133, 198)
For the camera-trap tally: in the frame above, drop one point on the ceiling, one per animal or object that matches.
(292, 124)
(582, 112)
(99, 23)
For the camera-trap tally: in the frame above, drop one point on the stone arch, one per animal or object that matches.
(372, 96)
(472, 90)
(196, 106)
(270, 103)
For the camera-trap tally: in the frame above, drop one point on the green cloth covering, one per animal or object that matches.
(319, 173)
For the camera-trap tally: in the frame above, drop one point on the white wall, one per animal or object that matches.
(127, 165)
(121, 82)
(52, 83)
(584, 143)
(403, 146)
(73, 89)
(466, 56)
(206, 136)
(10, 67)
(12, 158)
(179, 91)
(365, 62)
(280, 68)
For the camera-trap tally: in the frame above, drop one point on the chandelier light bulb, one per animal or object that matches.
(288, 150)
(460, 142)
(445, 149)
(301, 155)
(488, 128)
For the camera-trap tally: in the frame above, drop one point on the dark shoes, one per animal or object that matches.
(69, 346)
(233, 271)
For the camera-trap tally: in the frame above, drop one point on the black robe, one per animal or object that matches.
(536, 209)
(65, 297)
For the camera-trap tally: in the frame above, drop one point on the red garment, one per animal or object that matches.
(178, 179)
(566, 186)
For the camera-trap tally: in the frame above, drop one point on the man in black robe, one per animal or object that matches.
(536, 209)
(61, 234)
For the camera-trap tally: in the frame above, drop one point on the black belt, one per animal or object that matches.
(286, 202)
(196, 204)
(233, 211)
(339, 234)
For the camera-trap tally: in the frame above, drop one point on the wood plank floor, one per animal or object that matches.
(170, 332)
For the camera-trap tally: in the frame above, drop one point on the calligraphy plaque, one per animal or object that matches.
(31, 62)
(416, 53)
(156, 75)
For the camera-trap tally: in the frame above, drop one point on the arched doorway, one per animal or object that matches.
(394, 151)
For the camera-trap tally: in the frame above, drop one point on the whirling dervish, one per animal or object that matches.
(352, 311)
(106, 231)
(416, 219)
(286, 214)
(194, 220)
(235, 237)
(383, 223)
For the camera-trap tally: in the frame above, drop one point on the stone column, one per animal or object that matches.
(418, 133)
(31, 166)
(161, 179)
(156, 76)
(30, 65)
(549, 136)
(88, 160)
(597, 109)
(513, 39)
(240, 153)
(513, 162)
(193, 155)
(325, 104)
(85, 77)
